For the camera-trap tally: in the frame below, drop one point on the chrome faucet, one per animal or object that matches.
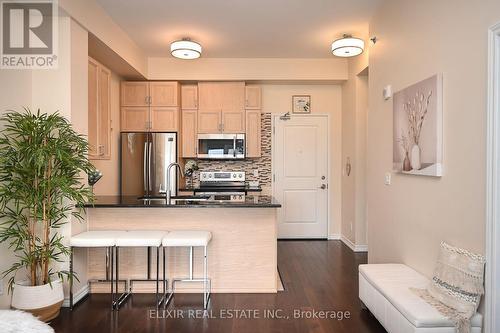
(168, 190)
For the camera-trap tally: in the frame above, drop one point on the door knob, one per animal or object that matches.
(323, 186)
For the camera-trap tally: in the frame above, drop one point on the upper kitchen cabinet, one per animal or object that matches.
(253, 97)
(189, 130)
(134, 93)
(99, 110)
(164, 119)
(164, 93)
(253, 133)
(150, 106)
(189, 97)
(209, 121)
(221, 107)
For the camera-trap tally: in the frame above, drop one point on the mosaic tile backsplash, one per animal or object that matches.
(263, 163)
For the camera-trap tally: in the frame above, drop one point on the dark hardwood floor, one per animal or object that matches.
(317, 275)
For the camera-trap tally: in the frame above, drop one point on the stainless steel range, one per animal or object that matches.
(223, 185)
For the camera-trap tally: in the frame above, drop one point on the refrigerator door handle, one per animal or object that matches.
(149, 166)
(145, 167)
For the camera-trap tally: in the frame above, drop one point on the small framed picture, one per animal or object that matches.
(301, 104)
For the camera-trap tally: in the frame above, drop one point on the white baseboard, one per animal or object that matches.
(352, 246)
(77, 296)
(334, 237)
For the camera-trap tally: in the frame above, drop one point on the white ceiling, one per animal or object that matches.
(242, 28)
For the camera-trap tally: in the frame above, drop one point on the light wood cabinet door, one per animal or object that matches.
(134, 93)
(189, 97)
(135, 119)
(210, 96)
(209, 121)
(233, 121)
(164, 93)
(233, 95)
(104, 113)
(93, 105)
(253, 98)
(99, 111)
(189, 132)
(164, 119)
(253, 133)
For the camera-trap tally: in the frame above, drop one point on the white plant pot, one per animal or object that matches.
(415, 157)
(42, 301)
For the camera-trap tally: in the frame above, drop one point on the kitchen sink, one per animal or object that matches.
(177, 198)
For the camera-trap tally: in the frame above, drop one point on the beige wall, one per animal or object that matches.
(354, 112)
(94, 18)
(325, 99)
(260, 69)
(109, 183)
(408, 219)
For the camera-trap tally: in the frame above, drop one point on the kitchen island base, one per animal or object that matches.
(242, 253)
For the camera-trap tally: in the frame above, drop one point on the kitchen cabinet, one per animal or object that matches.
(164, 93)
(221, 107)
(164, 119)
(209, 121)
(189, 97)
(253, 97)
(135, 119)
(150, 106)
(233, 121)
(134, 93)
(99, 110)
(253, 133)
(189, 131)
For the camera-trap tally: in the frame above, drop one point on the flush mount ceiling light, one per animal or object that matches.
(348, 46)
(185, 49)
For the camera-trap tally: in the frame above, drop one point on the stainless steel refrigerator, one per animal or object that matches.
(144, 160)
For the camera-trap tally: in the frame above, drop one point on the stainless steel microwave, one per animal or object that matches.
(221, 146)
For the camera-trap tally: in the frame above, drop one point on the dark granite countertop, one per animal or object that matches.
(251, 201)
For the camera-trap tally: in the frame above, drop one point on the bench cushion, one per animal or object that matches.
(394, 281)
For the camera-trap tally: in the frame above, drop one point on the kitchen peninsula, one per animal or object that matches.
(243, 253)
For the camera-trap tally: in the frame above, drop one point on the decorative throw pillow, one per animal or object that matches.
(457, 285)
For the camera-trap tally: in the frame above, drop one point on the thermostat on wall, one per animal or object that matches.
(387, 92)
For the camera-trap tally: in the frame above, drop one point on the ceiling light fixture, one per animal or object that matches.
(185, 49)
(348, 46)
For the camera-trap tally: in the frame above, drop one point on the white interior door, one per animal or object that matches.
(300, 162)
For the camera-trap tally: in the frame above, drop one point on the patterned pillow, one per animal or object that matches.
(458, 282)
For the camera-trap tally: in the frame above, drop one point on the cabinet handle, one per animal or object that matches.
(146, 99)
(222, 127)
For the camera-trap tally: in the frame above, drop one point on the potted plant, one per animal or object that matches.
(42, 160)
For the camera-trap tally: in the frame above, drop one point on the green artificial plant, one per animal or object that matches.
(42, 160)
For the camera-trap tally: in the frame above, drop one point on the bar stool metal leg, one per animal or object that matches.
(110, 252)
(158, 301)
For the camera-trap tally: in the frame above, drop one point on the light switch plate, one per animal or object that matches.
(387, 178)
(256, 173)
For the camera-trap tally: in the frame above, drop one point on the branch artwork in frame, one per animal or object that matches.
(301, 104)
(418, 128)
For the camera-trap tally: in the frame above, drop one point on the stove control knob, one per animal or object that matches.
(234, 175)
(240, 175)
(209, 176)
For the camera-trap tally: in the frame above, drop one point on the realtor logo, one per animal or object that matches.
(29, 34)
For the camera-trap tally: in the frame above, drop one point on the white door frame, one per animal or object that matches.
(328, 159)
(492, 297)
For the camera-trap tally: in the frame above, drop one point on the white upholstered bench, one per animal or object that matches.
(385, 290)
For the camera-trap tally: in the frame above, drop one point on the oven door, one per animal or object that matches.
(221, 146)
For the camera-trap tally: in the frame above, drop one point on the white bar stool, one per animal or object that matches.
(89, 239)
(189, 239)
(138, 238)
